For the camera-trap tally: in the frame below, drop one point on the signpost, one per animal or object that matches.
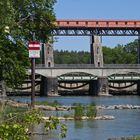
(34, 49)
(34, 52)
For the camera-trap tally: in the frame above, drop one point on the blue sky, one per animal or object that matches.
(95, 9)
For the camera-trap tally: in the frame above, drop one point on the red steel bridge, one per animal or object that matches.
(97, 27)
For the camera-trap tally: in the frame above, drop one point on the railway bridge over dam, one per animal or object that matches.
(99, 80)
(100, 77)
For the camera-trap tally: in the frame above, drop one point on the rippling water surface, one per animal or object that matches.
(126, 122)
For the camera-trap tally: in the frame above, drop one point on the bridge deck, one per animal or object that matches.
(97, 27)
(107, 70)
(89, 66)
(98, 23)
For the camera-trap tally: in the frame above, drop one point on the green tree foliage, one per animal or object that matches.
(14, 61)
(19, 21)
(72, 57)
(121, 54)
(17, 125)
(88, 111)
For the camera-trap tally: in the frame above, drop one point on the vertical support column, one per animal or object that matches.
(102, 83)
(43, 86)
(49, 54)
(138, 50)
(49, 86)
(33, 82)
(43, 54)
(96, 51)
(91, 50)
(93, 90)
(52, 85)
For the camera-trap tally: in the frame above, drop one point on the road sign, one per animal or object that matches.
(34, 49)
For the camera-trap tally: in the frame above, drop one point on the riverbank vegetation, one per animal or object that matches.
(16, 123)
(88, 111)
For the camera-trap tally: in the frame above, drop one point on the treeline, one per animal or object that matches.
(71, 57)
(121, 54)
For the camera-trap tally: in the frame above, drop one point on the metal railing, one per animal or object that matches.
(90, 66)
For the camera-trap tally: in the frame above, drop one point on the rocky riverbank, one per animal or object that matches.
(110, 107)
(126, 138)
(101, 117)
(65, 108)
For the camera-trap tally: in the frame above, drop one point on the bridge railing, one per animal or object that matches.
(89, 66)
(123, 66)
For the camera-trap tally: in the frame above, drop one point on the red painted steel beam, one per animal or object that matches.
(98, 23)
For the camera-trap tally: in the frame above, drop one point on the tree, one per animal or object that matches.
(19, 21)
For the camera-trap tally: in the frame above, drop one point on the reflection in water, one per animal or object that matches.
(78, 124)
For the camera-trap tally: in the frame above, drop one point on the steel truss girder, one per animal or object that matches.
(96, 31)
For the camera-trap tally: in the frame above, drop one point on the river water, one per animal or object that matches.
(126, 122)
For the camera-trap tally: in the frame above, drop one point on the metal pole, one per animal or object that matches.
(91, 50)
(33, 82)
(138, 49)
(33, 79)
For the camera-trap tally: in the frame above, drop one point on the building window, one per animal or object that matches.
(48, 50)
(97, 50)
(49, 64)
(98, 64)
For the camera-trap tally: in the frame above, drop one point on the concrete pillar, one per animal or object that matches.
(96, 51)
(43, 86)
(93, 90)
(47, 54)
(138, 87)
(49, 86)
(43, 53)
(91, 50)
(102, 84)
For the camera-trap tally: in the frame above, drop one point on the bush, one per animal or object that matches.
(79, 112)
(91, 111)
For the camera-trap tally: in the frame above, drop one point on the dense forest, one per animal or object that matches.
(121, 54)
